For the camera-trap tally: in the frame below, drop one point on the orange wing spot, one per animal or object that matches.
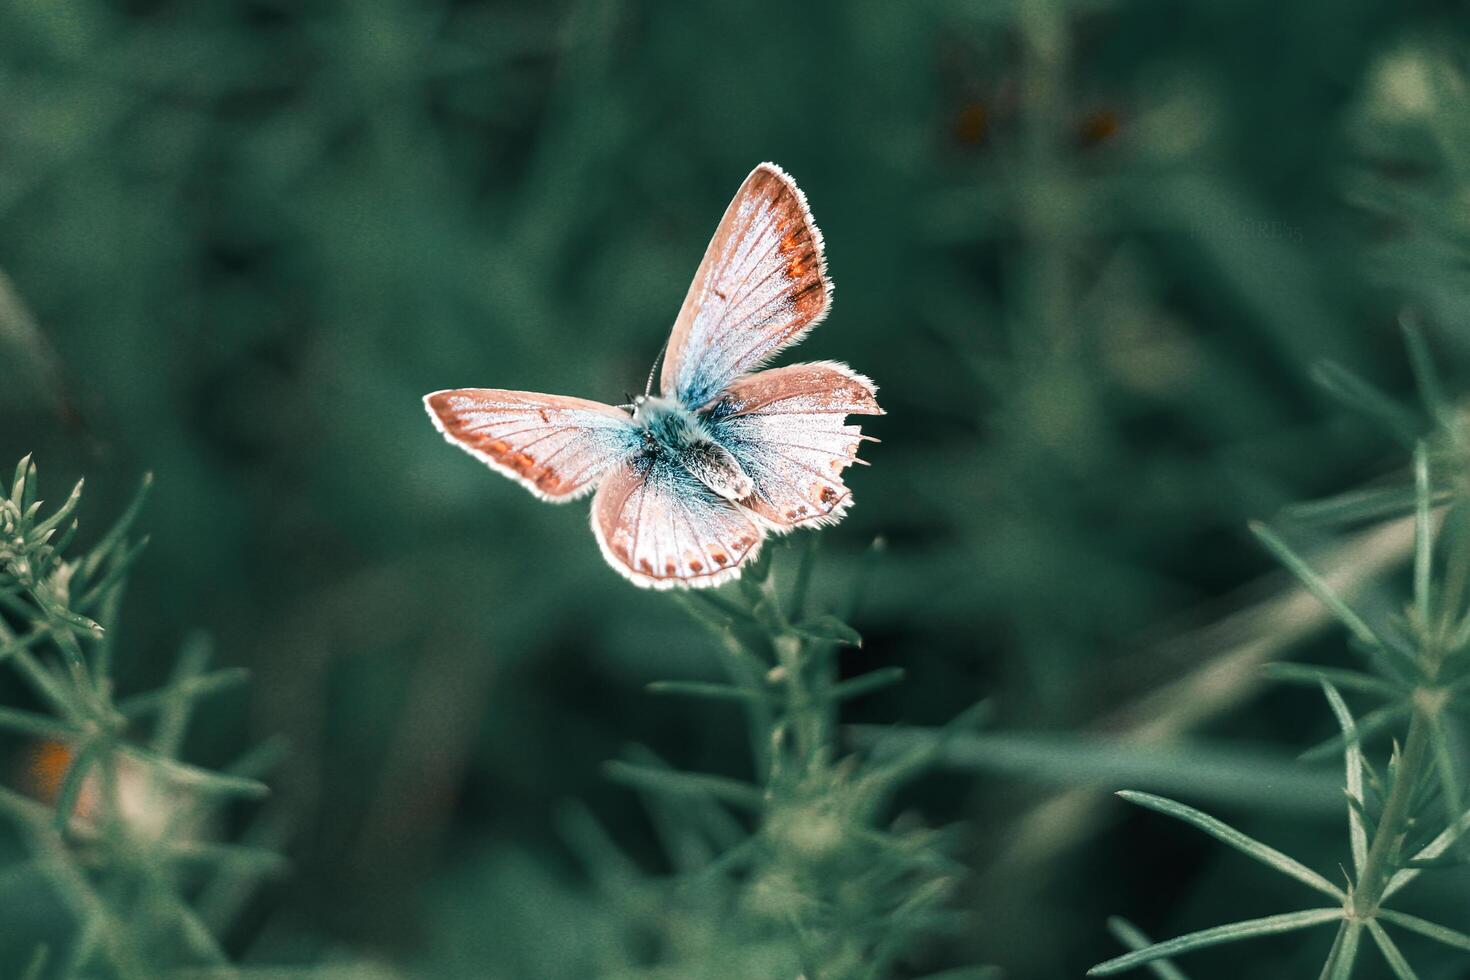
(547, 480)
(498, 448)
(646, 565)
(670, 568)
(795, 269)
(621, 550)
(827, 495)
(695, 566)
(719, 557)
(788, 244)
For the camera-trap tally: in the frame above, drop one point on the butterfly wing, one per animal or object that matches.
(786, 428)
(660, 527)
(762, 285)
(552, 445)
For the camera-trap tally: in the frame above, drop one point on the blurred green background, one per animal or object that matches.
(1089, 251)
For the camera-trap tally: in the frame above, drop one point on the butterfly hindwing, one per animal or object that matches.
(553, 445)
(660, 527)
(786, 428)
(761, 286)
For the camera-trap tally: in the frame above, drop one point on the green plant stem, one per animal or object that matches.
(1378, 868)
(803, 707)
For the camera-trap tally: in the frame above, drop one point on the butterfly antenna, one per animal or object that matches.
(648, 388)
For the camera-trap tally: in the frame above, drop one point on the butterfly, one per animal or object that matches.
(688, 482)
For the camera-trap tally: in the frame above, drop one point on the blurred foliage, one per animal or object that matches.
(1411, 818)
(122, 833)
(1095, 253)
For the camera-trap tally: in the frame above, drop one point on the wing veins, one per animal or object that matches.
(812, 449)
(754, 251)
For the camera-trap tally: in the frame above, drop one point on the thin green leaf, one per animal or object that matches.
(723, 788)
(828, 629)
(259, 760)
(62, 512)
(1135, 939)
(704, 612)
(1439, 863)
(1326, 972)
(89, 628)
(37, 965)
(60, 545)
(1359, 395)
(93, 561)
(605, 862)
(32, 487)
(1353, 759)
(1249, 929)
(873, 680)
(173, 715)
(1209, 771)
(1423, 536)
(1315, 584)
(259, 861)
(1424, 927)
(189, 688)
(1368, 726)
(52, 689)
(36, 635)
(117, 570)
(18, 485)
(71, 783)
(1390, 951)
(30, 723)
(1352, 680)
(191, 928)
(1426, 377)
(701, 689)
(1430, 852)
(1344, 956)
(864, 576)
(802, 581)
(1357, 506)
(1229, 835)
(1445, 766)
(195, 778)
(719, 604)
(1356, 806)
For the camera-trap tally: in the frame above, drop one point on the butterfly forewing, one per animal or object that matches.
(762, 285)
(554, 446)
(660, 527)
(786, 428)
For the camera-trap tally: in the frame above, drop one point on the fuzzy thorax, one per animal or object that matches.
(670, 428)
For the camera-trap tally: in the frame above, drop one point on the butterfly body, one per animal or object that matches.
(690, 481)
(684, 437)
